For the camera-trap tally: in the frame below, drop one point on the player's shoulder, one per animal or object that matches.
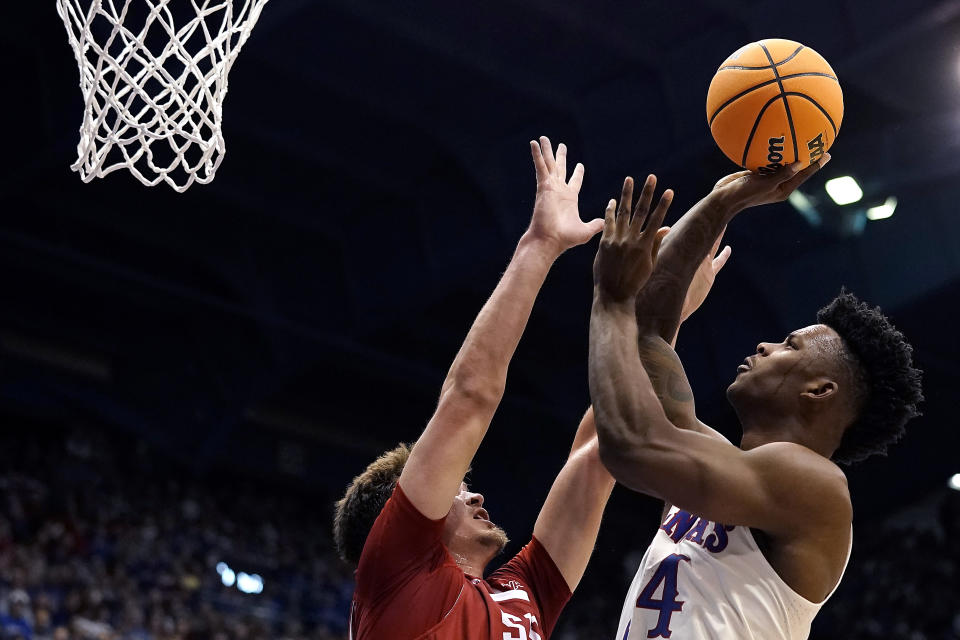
(794, 455)
(805, 475)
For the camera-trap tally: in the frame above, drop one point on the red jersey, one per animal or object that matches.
(409, 587)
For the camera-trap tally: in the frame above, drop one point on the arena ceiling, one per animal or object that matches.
(376, 180)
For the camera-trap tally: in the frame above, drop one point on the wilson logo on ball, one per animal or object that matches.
(774, 156)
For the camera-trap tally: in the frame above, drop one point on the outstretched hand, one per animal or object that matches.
(704, 277)
(748, 189)
(628, 249)
(556, 216)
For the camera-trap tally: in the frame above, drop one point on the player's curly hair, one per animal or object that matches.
(887, 387)
(363, 500)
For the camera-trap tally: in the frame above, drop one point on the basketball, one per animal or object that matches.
(772, 103)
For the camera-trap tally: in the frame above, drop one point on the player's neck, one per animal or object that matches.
(765, 429)
(765, 423)
(811, 432)
(470, 563)
(753, 438)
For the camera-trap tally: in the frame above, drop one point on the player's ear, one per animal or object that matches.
(820, 388)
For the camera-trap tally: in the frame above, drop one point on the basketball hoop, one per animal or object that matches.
(154, 76)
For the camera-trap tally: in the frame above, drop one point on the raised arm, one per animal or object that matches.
(660, 361)
(659, 306)
(476, 380)
(646, 452)
(570, 518)
(569, 521)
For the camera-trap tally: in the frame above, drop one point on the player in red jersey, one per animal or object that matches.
(419, 537)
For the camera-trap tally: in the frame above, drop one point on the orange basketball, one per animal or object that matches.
(774, 102)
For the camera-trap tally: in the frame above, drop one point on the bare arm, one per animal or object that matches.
(475, 383)
(570, 518)
(780, 488)
(647, 453)
(670, 384)
(660, 361)
(684, 273)
(659, 305)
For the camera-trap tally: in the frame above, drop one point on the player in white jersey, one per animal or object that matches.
(754, 538)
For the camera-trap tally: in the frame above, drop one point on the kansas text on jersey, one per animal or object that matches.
(703, 580)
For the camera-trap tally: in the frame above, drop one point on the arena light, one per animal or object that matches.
(249, 583)
(882, 211)
(805, 207)
(954, 482)
(227, 575)
(843, 190)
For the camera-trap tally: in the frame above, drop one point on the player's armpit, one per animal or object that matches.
(669, 382)
(668, 379)
(781, 488)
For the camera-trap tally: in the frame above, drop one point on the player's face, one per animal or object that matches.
(468, 525)
(781, 371)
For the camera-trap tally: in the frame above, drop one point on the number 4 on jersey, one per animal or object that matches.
(668, 604)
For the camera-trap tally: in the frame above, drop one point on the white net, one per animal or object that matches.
(154, 76)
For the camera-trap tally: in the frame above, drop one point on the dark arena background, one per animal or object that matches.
(188, 381)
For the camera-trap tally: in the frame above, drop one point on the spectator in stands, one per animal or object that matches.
(97, 544)
(15, 622)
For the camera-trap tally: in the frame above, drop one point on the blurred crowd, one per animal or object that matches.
(102, 539)
(903, 581)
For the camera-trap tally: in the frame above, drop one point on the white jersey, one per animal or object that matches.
(701, 580)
